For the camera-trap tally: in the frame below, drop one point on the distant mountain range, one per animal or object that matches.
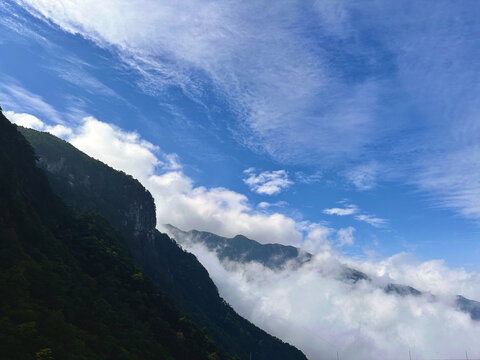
(276, 256)
(89, 186)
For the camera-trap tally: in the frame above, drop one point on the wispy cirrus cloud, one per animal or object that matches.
(364, 177)
(348, 210)
(372, 220)
(304, 178)
(453, 180)
(250, 53)
(55, 58)
(357, 213)
(72, 70)
(14, 96)
(335, 87)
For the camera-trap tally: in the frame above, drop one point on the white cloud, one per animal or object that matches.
(312, 309)
(171, 162)
(345, 236)
(349, 210)
(317, 239)
(266, 205)
(25, 120)
(304, 178)
(354, 210)
(122, 150)
(364, 177)
(60, 131)
(33, 122)
(372, 220)
(217, 210)
(432, 276)
(267, 182)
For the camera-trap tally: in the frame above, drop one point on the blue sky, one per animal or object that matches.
(314, 123)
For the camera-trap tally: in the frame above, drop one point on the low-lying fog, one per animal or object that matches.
(313, 309)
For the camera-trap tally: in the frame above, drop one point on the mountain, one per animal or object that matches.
(471, 307)
(242, 249)
(69, 286)
(88, 185)
(276, 256)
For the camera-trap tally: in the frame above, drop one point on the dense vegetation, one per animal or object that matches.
(89, 185)
(69, 287)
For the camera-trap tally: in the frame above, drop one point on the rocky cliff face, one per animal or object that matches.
(90, 185)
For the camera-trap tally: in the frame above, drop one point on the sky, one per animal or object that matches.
(312, 114)
(349, 129)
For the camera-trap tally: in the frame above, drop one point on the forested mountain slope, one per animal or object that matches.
(68, 283)
(89, 185)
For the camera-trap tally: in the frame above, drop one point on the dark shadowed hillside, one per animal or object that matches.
(89, 185)
(68, 283)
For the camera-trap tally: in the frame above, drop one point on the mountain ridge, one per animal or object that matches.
(231, 249)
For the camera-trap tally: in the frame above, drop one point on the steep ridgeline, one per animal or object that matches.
(242, 249)
(68, 283)
(276, 256)
(89, 185)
